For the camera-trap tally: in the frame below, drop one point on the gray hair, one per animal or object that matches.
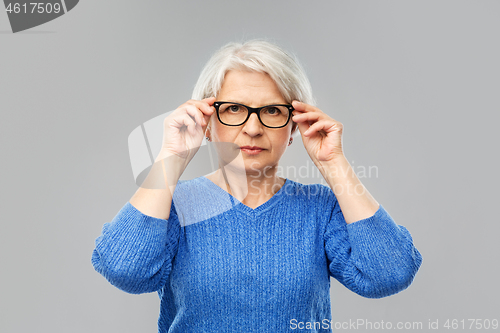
(255, 55)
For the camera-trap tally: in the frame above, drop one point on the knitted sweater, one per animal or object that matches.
(220, 266)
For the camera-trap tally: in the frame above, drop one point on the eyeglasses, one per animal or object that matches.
(235, 114)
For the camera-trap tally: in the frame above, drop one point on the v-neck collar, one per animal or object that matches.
(244, 208)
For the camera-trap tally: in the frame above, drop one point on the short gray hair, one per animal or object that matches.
(257, 55)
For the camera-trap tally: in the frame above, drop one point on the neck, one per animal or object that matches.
(250, 189)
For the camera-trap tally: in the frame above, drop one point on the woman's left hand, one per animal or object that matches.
(321, 134)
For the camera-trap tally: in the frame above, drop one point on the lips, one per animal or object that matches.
(251, 148)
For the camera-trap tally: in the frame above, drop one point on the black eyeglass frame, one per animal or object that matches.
(217, 104)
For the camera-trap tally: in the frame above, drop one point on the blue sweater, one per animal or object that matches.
(220, 266)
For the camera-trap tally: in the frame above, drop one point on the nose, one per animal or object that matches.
(253, 126)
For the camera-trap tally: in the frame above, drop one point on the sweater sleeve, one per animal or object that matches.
(134, 251)
(373, 257)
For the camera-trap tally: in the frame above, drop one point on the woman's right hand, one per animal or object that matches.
(183, 129)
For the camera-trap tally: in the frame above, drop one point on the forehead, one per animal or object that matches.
(250, 88)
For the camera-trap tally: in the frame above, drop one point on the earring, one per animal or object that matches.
(290, 141)
(208, 139)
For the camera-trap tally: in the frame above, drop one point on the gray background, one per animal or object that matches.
(415, 84)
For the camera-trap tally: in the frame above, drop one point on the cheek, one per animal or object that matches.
(281, 138)
(223, 133)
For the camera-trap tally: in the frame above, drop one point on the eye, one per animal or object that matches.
(234, 108)
(272, 110)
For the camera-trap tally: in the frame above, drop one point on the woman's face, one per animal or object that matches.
(252, 89)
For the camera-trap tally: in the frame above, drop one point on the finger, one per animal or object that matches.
(303, 107)
(325, 125)
(209, 100)
(192, 128)
(310, 116)
(185, 121)
(206, 108)
(196, 114)
(208, 104)
(303, 126)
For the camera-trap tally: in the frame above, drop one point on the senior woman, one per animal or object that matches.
(242, 249)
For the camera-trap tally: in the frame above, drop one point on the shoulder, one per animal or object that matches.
(311, 203)
(310, 197)
(188, 194)
(197, 200)
(311, 192)
(191, 189)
